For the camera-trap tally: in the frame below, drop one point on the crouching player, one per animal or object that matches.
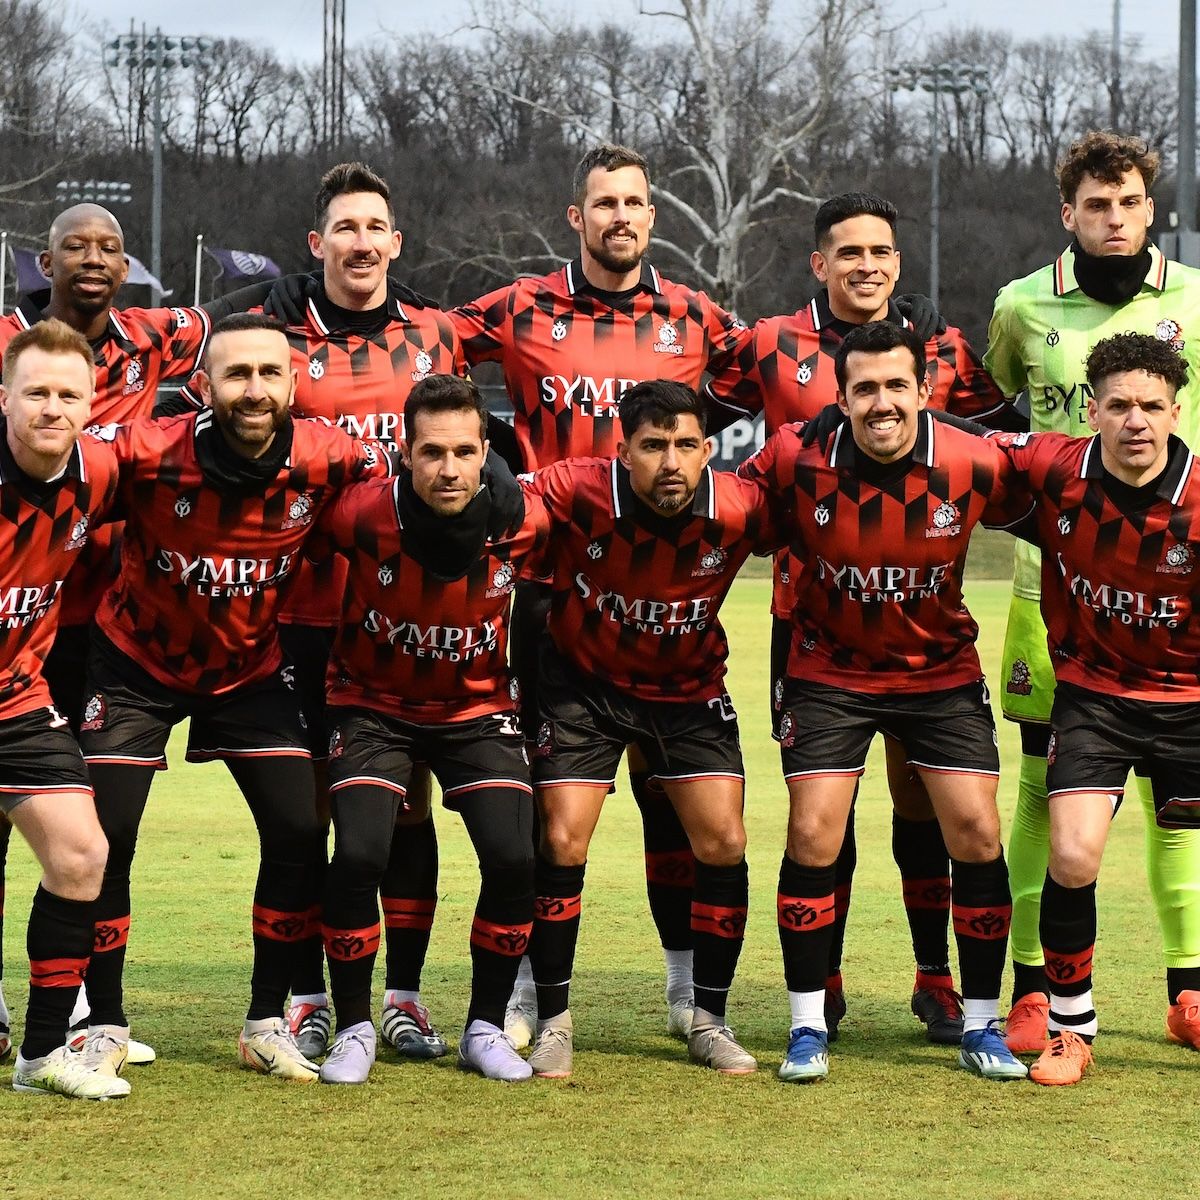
(418, 674)
(882, 642)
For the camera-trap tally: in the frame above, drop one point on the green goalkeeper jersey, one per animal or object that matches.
(1042, 330)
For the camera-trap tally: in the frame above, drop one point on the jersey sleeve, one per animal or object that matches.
(726, 333)
(973, 393)
(1011, 503)
(480, 326)
(1003, 360)
(737, 383)
(184, 333)
(333, 530)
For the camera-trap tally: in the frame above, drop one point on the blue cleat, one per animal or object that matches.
(985, 1052)
(807, 1057)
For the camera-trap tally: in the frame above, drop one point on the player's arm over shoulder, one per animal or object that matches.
(1004, 360)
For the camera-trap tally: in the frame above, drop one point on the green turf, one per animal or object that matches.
(895, 1119)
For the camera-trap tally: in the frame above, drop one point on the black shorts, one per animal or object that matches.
(38, 755)
(372, 748)
(585, 725)
(306, 650)
(1097, 739)
(129, 715)
(527, 633)
(828, 731)
(65, 670)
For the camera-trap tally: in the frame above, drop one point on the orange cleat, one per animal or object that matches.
(1063, 1061)
(1025, 1029)
(1183, 1020)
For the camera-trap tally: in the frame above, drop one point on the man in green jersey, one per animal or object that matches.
(1111, 279)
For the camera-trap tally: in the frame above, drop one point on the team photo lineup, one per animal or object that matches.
(354, 579)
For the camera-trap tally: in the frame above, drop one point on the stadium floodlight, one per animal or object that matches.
(957, 79)
(97, 191)
(161, 53)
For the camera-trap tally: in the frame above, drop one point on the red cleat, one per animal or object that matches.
(1025, 1029)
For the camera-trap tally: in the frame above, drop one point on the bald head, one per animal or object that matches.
(83, 216)
(85, 260)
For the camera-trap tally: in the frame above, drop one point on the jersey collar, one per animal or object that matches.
(843, 452)
(626, 502)
(821, 315)
(321, 317)
(11, 473)
(1171, 486)
(32, 308)
(1064, 271)
(577, 283)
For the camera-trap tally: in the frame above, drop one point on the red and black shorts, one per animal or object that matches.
(128, 717)
(39, 756)
(306, 648)
(1096, 739)
(585, 725)
(373, 749)
(827, 731)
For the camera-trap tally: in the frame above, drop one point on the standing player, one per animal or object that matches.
(882, 642)
(1111, 279)
(644, 548)
(786, 372)
(570, 343)
(419, 673)
(217, 505)
(54, 490)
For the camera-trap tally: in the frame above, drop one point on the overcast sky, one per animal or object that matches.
(294, 26)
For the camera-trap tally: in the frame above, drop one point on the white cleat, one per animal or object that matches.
(679, 1018)
(105, 1049)
(268, 1047)
(63, 1072)
(520, 1018)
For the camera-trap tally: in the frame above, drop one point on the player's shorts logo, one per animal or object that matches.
(183, 506)
(777, 693)
(712, 562)
(300, 512)
(1052, 748)
(79, 532)
(287, 676)
(668, 339)
(1064, 525)
(510, 724)
(1052, 338)
(787, 728)
(946, 522)
(821, 515)
(95, 712)
(423, 365)
(1178, 560)
(595, 550)
(1020, 681)
(316, 368)
(385, 576)
(1171, 332)
(337, 747)
(544, 745)
(558, 330)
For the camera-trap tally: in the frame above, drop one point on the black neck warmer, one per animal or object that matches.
(228, 471)
(447, 547)
(1110, 278)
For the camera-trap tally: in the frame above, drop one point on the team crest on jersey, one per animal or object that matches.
(385, 576)
(787, 730)
(423, 364)
(300, 512)
(95, 712)
(183, 506)
(336, 746)
(1178, 560)
(544, 746)
(1020, 681)
(135, 378)
(1064, 525)
(558, 330)
(79, 533)
(316, 368)
(1171, 332)
(595, 551)
(502, 580)
(1052, 337)
(668, 339)
(821, 515)
(946, 522)
(804, 374)
(712, 562)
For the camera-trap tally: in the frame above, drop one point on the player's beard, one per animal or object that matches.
(671, 502)
(614, 261)
(252, 439)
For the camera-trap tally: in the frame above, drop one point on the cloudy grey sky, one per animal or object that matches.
(294, 26)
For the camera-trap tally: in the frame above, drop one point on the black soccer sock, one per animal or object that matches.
(843, 868)
(924, 863)
(5, 834)
(121, 791)
(719, 905)
(981, 907)
(805, 912)
(558, 893)
(408, 892)
(309, 976)
(1028, 980)
(281, 796)
(670, 864)
(1181, 979)
(1067, 926)
(500, 824)
(59, 940)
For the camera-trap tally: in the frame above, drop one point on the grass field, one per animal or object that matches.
(895, 1119)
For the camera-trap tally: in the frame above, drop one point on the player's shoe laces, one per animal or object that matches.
(679, 1018)
(835, 1010)
(137, 1054)
(1183, 1020)
(310, 1026)
(63, 1072)
(269, 1048)
(520, 1017)
(939, 1009)
(807, 1058)
(553, 1050)
(486, 1049)
(984, 1053)
(351, 1055)
(105, 1049)
(715, 1047)
(1025, 1029)
(1063, 1061)
(407, 1029)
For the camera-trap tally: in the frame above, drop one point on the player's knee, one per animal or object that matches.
(725, 847)
(75, 869)
(563, 845)
(1074, 863)
(973, 836)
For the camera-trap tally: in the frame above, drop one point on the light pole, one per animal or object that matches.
(95, 191)
(955, 78)
(162, 53)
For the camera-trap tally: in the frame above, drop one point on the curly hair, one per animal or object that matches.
(1136, 352)
(1108, 157)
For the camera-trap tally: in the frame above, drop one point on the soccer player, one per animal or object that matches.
(570, 343)
(644, 548)
(881, 642)
(785, 371)
(1118, 522)
(217, 506)
(55, 489)
(419, 673)
(1111, 279)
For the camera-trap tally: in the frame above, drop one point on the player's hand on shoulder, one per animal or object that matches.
(922, 314)
(822, 427)
(288, 298)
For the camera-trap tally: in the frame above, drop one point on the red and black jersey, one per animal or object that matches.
(785, 372)
(636, 595)
(409, 644)
(879, 604)
(1120, 568)
(202, 566)
(43, 529)
(140, 347)
(569, 351)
